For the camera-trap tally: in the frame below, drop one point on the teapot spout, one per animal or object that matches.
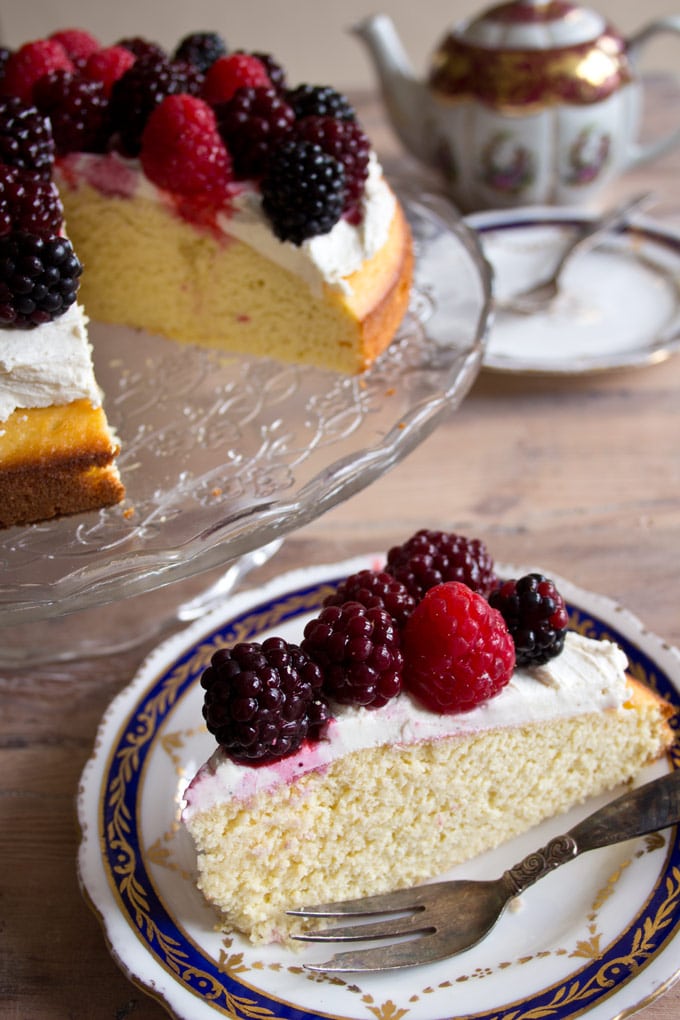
(406, 99)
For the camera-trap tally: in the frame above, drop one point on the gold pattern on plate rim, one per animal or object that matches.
(134, 901)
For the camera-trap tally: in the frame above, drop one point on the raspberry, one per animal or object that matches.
(139, 91)
(182, 150)
(38, 278)
(227, 74)
(108, 65)
(431, 557)
(375, 588)
(251, 123)
(536, 616)
(303, 191)
(201, 49)
(25, 137)
(346, 142)
(359, 653)
(263, 700)
(78, 111)
(319, 101)
(79, 45)
(30, 63)
(27, 202)
(457, 649)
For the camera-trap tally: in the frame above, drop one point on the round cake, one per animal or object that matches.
(209, 201)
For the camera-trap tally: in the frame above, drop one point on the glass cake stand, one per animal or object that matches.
(223, 456)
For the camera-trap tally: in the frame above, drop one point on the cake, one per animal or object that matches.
(401, 780)
(214, 204)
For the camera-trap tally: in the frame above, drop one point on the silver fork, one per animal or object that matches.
(445, 918)
(539, 296)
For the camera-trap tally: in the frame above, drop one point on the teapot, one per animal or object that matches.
(527, 103)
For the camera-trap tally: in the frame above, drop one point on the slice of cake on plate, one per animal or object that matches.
(428, 714)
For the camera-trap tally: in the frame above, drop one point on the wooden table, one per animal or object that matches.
(581, 476)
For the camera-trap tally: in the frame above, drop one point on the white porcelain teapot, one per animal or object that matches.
(528, 103)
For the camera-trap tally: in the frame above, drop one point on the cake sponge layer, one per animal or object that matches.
(148, 268)
(394, 816)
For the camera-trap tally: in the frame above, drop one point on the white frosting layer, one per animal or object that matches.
(588, 676)
(50, 364)
(326, 259)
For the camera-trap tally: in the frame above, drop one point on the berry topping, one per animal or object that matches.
(27, 202)
(32, 62)
(346, 142)
(320, 101)
(78, 111)
(536, 616)
(141, 47)
(303, 191)
(201, 49)
(25, 137)
(431, 557)
(38, 278)
(139, 91)
(263, 700)
(251, 123)
(79, 45)
(182, 150)
(457, 649)
(275, 72)
(237, 71)
(358, 652)
(375, 589)
(108, 65)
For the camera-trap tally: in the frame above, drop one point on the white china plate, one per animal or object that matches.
(602, 939)
(618, 306)
(222, 455)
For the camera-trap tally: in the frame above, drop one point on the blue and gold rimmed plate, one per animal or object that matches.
(618, 305)
(599, 938)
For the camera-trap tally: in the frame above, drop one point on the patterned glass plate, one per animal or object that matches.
(601, 939)
(222, 455)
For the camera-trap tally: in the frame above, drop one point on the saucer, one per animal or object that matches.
(618, 304)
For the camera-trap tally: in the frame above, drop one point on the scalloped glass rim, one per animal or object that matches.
(222, 455)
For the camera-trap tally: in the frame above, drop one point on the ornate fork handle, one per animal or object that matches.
(645, 809)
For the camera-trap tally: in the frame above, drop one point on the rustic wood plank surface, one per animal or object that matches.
(581, 476)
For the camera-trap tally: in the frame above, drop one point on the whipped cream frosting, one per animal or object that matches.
(327, 259)
(588, 676)
(50, 364)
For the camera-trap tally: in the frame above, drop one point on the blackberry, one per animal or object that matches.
(536, 616)
(5, 54)
(358, 650)
(201, 49)
(78, 111)
(346, 142)
(375, 588)
(141, 47)
(320, 101)
(303, 191)
(276, 73)
(27, 202)
(139, 91)
(263, 700)
(25, 137)
(251, 124)
(432, 557)
(38, 278)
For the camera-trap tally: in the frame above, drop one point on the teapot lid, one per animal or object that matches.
(525, 54)
(533, 26)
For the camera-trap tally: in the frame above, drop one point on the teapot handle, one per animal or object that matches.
(641, 153)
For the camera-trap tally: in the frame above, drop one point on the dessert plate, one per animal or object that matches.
(618, 306)
(603, 942)
(222, 455)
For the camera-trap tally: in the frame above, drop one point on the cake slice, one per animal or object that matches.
(399, 789)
